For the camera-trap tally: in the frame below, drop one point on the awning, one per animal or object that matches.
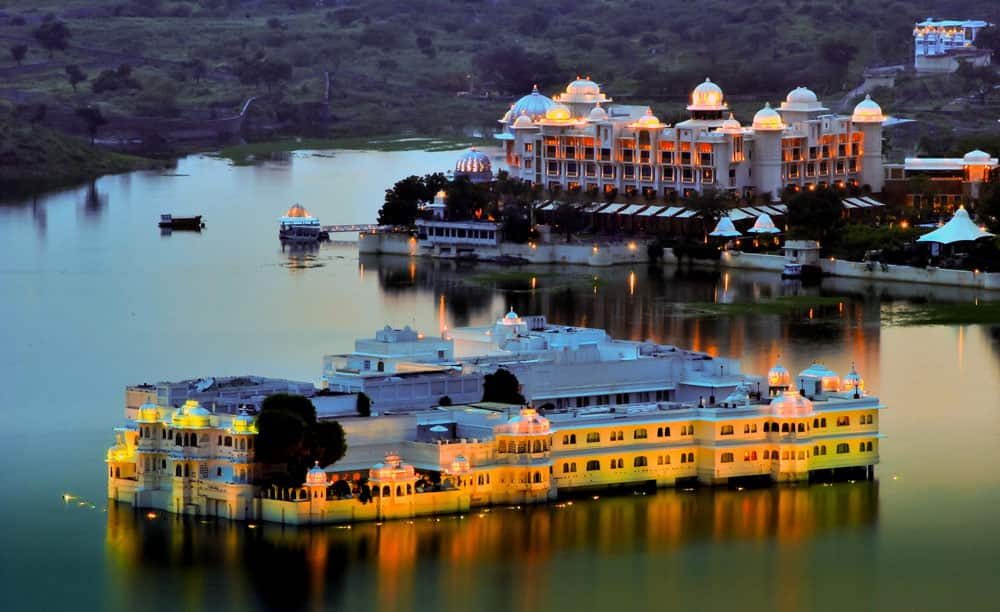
(611, 209)
(652, 210)
(959, 229)
(547, 206)
(686, 214)
(871, 201)
(739, 214)
(670, 212)
(632, 209)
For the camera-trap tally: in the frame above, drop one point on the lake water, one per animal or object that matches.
(94, 298)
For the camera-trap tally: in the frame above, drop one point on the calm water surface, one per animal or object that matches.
(94, 298)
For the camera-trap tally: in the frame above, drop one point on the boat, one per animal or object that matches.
(181, 223)
(299, 226)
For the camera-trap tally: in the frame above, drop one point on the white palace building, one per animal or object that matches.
(600, 413)
(581, 139)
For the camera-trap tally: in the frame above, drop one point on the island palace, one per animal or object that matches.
(601, 413)
(581, 139)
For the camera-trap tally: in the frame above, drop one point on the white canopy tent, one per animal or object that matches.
(764, 225)
(725, 229)
(959, 229)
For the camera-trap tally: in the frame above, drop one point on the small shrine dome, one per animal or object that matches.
(977, 157)
(297, 211)
(818, 372)
(392, 469)
(852, 381)
(316, 476)
(511, 318)
(791, 404)
(867, 111)
(768, 119)
(647, 121)
(707, 96)
(527, 422)
(583, 87)
(597, 114)
(801, 95)
(523, 121)
(731, 125)
(191, 416)
(558, 112)
(243, 423)
(778, 376)
(148, 413)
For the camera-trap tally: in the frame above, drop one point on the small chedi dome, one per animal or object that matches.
(778, 376)
(297, 211)
(316, 476)
(534, 105)
(768, 119)
(243, 423)
(647, 121)
(801, 95)
(852, 381)
(707, 96)
(977, 157)
(191, 415)
(731, 125)
(511, 318)
(473, 161)
(523, 121)
(527, 422)
(791, 404)
(392, 469)
(867, 111)
(598, 114)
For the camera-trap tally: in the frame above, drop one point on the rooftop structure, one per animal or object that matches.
(581, 140)
(936, 42)
(951, 182)
(224, 394)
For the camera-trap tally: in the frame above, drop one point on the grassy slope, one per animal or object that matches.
(641, 50)
(36, 156)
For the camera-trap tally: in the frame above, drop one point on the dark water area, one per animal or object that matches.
(94, 298)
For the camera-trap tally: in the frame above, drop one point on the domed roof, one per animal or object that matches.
(598, 113)
(119, 451)
(707, 96)
(148, 413)
(392, 469)
(534, 104)
(558, 112)
(527, 422)
(801, 95)
(473, 161)
(778, 376)
(739, 397)
(297, 211)
(791, 404)
(523, 121)
(191, 415)
(977, 157)
(731, 125)
(648, 121)
(852, 381)
(768, 119)
(511, 318)
(508, 116)
(243, 423)
(584, 87)
(316, 476)
(867, 111)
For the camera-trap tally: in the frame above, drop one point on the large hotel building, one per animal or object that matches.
(580, 139)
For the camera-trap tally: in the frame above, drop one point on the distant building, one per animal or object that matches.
(940, 183)
(939, 45)
(221, 394)
(581, 140)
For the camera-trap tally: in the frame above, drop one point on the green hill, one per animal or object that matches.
(399, 65)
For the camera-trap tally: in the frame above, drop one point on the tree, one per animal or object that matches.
(18, 52)
(291, 440)
(75, 75)
(53, 35)
(710, 204)
(403, 201)
(113, 80)
(464, 198)
(815, 214)
(503, 387)
(364, 405)
(989, 38)
(274, 71)
(93, 118)
(567, 220)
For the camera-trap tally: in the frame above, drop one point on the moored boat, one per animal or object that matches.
(181, 223)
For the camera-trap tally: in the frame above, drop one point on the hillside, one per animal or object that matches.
(397, 66)
(34, 157)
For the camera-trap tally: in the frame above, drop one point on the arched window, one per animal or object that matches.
(187, 470)
(868, 446)
(726, 430)
(774, 426)
(666, 432)
(399, 490)
(767, 454)
(194, 439)
(386, 491)
(218, 471)
(822, 422)
(659, 432)
(815, 451)
(690, 457)
(843, 448)
(220, 440)
(815, 423)
(177, 470)
(409, 489)
(381, 366)
(565, 468)
(565, 439)
(228, 441)
(572, 438)
(639, 462)
(538, 477)
(784, 427)
(163, 434)
(593, 465)
(163, 463)
(177, 440)
(537, 447)
(684, 458)
(767, 427)
(802, 427)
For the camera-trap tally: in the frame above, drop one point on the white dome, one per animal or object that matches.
(801, 95)
(707, 96)
(768, 119)
(778, 376)
(598, 114)
(511, 317)
(584, 87)
(316, 476)
(791, 404)
(648, 121)
(523, 121)
(867, 111)
(852, 381)
(977, 157)
(243, 423)
(527, 422)
(534, 104)
(731, 124)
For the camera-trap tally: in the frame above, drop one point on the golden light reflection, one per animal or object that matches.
(631, 282)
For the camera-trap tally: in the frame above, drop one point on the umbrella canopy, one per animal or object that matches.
(959, 229)
(725, 229)
(764, 225)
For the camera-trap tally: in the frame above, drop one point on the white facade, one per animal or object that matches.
(580, 140)
(938, 37)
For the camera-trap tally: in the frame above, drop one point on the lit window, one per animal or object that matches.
(726, 458)
(639, 462)
(593, 465)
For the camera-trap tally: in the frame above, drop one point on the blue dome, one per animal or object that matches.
(534, 104)
(473, 161)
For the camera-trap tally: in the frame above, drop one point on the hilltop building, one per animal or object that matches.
(939, 45)
(940, 183)
(580, 139)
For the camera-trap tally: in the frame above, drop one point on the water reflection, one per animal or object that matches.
(94, 202)
(377, 566)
